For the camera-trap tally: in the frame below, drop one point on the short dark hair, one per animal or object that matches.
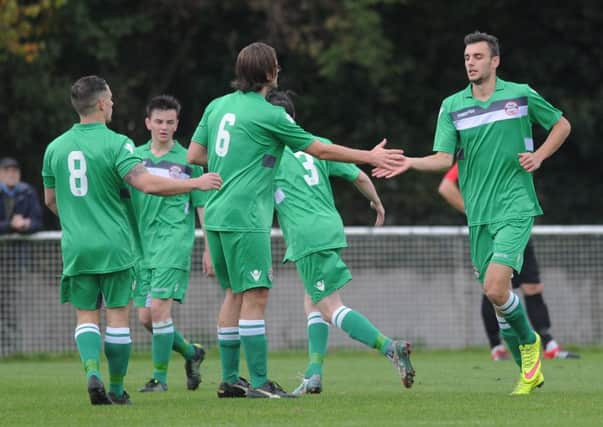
(254, 63)
(478, 36)
(163, 102)
(283, 99)
(85, 92)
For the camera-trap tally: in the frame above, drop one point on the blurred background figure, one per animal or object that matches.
(20, 209)
(20, 212)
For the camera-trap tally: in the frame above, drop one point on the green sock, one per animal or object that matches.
(360, 328)
(512, 343)
(118, 346)
(229, 344)
(255, 344)
(163, 340)
(182, 346)
(88, 341)
(318, 339)
(516, 317)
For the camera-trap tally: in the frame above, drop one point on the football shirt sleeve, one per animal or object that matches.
(201, 135)
(290, 133)
(125, 158)
(446, 136)
(541, 111)
(47, 173)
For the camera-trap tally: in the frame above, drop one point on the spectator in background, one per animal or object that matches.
(528, 279)
(20, 212)
(20, 209)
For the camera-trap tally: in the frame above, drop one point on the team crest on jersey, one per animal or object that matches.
(175, 171)
(511, 108)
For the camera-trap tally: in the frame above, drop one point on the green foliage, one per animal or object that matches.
(364, 70)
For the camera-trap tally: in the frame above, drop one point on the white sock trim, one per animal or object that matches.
(118, 335)
(163, 327)
(249, 328)
(86, 328)
(339, 315)
(510, 305)
(230, 333)
(316, 318)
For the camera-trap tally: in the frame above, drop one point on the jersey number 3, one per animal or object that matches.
(312, 176)
(223, 138)
(78, 181)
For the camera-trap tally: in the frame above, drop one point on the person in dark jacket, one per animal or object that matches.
(20, 209)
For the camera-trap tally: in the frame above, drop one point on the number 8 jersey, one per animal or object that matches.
(85, 166)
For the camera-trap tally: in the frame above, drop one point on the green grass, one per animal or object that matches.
(453, 388)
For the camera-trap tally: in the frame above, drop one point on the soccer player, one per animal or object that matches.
(489, 127)
(242, 136)
(314, 234)
(528, 280)
(166, 227)
(83, 172)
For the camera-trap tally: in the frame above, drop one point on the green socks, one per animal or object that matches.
(182, 346)
(229, 344)
(88, 340)
(118, 345)
(360, 328)
(163, 340)
(318, 339)
(516, 317)
(255, 344)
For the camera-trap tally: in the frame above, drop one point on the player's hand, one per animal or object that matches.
(387, 173)
(530, 161)
(209, 181)
(381, 157)
(208, 267)
(378, 207)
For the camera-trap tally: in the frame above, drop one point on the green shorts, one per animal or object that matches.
(323, 273)
(89, 291)
(242, 261)
(501, 242)
(160, 283)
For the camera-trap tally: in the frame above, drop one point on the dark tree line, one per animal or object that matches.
(362, 70)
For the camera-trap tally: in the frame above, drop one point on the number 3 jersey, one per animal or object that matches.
(85, 166)
(304, 203)
(245, 135)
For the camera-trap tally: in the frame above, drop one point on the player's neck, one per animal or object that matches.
(159, 148)
(93, 118)
(484, 90)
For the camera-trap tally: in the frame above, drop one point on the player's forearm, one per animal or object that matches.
(437, 162)
(450, 192)
(364, 184)
(557, 136)
(160, 186)
(338, 153)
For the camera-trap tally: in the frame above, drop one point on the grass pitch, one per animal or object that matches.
(452, 388)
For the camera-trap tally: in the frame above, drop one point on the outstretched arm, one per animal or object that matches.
(364, 184)
(378, 156)
(557, 136)
(146, 182)
(433, 163)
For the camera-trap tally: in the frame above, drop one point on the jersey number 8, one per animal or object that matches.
(78, 181)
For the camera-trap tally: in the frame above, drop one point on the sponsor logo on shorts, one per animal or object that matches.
(320, 285)
(256, 274)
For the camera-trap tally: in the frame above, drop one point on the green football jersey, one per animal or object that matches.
(487, 137)
(245, 135)
(85, 166)
(167, 224)
(304, 203)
